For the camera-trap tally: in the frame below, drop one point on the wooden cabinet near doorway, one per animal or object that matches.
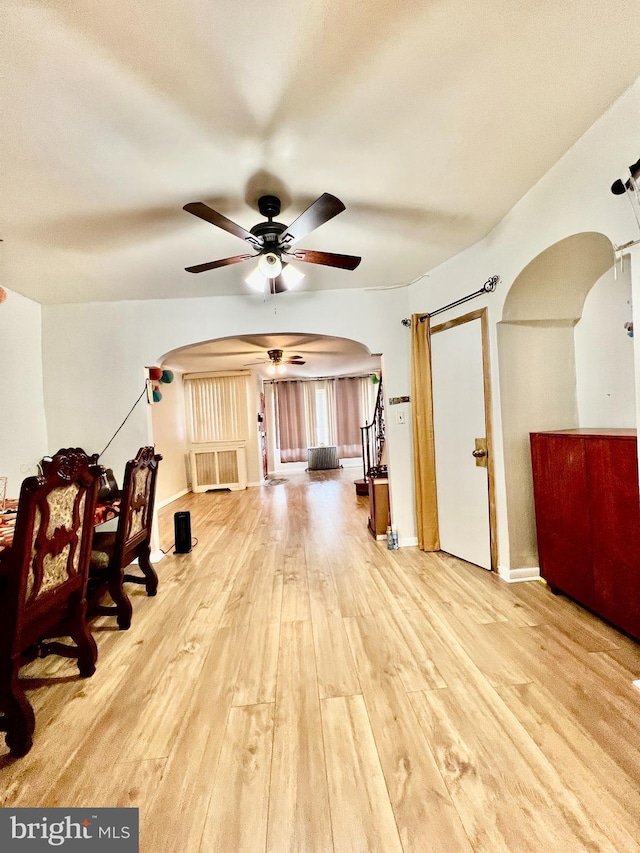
(585, 484)
(378, 506)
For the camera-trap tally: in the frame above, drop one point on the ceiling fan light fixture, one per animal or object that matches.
(271, 370)
(281, 368)
(292, 276)
(256, 280)
(270, 265)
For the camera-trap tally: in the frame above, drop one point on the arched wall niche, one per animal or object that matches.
(539, 367)
(554, 285)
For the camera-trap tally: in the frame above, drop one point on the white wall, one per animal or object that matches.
(573, 197)
(170, 439)
(605, 381)
(254, 452)
(538, 391)
(94, 355)
(23, 430)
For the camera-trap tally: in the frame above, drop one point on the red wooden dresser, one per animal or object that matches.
(585, 486)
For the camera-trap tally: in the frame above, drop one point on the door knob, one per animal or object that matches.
(481, 453)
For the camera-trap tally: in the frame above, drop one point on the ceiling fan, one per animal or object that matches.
(272, 242)
(277, 361)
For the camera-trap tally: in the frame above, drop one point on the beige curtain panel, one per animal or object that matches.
(423, 439)
(291, 422)
(349, 417)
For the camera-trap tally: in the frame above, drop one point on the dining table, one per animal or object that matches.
(8, 523)
(103, 512)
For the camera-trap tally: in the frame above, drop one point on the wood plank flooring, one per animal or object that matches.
(295, 686)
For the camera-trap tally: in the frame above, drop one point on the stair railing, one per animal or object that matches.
(373, 438)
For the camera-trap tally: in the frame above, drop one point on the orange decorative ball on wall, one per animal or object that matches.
(3, 295)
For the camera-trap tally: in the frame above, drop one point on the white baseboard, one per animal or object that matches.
(408, 541)
(173, 498)
(532, 573)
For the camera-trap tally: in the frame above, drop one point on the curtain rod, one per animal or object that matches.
(317, 378)
(488, 287)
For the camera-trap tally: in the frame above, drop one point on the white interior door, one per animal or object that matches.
(459, 418)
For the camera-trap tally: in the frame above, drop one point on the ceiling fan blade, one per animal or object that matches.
(224, 262)
(203, 211)
(327, 259)
(322, 210)
(294, 361)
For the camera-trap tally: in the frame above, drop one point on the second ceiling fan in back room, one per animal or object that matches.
(272, 242)
(277, 361)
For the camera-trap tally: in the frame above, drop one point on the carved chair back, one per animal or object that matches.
(43, 579)
(112, 553)
(137, 502)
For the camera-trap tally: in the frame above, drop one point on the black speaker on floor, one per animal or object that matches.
(182, 530)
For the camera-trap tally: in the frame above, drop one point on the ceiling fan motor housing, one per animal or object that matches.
(275, 355)
(269, 206)
(270, 231)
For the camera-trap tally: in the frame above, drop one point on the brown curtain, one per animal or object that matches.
(423, 440)
(291, 424)
(349, 417)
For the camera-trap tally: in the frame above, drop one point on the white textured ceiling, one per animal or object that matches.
(428, 119)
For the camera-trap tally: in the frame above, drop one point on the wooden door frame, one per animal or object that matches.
(482, 314)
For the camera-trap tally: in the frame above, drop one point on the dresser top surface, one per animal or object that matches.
(585, 432)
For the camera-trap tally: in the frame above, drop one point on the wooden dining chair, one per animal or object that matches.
(43, 580)
(113, 552)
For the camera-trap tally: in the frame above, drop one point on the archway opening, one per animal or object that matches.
(566, 361)
(303, 357)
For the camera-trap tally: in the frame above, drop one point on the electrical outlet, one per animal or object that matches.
(400, 417)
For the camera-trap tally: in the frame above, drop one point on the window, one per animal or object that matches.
(322, 417)
(217, 408)
(326, 412)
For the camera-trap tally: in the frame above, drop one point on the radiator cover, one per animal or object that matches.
(219, 465)
(323, 458)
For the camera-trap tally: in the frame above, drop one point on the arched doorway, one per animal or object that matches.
(304, 356)
(565, 361)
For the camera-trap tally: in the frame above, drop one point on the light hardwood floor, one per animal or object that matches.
(295, 686)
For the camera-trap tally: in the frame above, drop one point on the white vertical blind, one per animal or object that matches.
(217, 408)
